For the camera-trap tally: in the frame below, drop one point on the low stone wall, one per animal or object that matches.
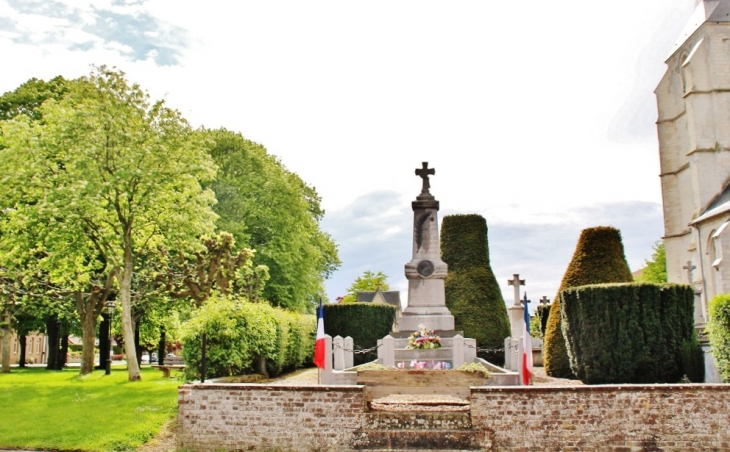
(215, 417)
(617, 417)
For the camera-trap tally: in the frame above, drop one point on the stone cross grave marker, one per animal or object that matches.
(544, 300)
(516, 282)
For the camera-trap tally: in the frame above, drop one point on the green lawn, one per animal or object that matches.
(42, 409)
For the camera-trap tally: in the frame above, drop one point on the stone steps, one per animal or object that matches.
(390, 431)
(383, 420)
(416, 439)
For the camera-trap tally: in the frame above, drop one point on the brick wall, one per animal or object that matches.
(621, 418)
(215, 417)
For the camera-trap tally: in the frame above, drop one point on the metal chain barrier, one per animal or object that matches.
(358, 350)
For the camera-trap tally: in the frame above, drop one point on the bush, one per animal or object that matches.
(598, 258)
(240, 334)
(543, 313)
(718, 330)
(629, 333)
(365, 323)
(472, 293)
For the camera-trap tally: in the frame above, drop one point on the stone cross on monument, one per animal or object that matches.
(544, 300)
(689, 267)
(516, 311)
(424, 172)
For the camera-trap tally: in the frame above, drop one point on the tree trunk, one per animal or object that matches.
(64, 349)
(5, 332)
(53, 332)
(22, 340)
(87, 309)
(137, 347)
(261, 364)
(127, 325)
(161, 348)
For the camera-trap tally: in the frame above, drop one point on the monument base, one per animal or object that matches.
(409, 321)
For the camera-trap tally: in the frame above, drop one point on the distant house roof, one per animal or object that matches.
(391, 297)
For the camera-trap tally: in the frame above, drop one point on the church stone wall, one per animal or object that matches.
(216, 417)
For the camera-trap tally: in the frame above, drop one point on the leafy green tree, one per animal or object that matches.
(109, 175)
(28, 97)
(598, 258)
(472, 292)
(270, 209)
(655, 269)
(368, 282)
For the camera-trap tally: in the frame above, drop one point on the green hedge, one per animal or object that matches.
(630, 333)
(598, 258)
(543, 313)
(472, 293)
(240, 333)
(718, 330)
(365, 323)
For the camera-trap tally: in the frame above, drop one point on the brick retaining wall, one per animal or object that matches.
(215, 417)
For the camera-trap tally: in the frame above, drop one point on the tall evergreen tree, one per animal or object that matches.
(472, 292)
(598, 258)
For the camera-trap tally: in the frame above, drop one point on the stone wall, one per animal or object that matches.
(619, 417)
(215, 417)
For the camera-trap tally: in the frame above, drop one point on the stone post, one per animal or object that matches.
(457, 349)
(337, 349)
(326, 374)
(349, 353)
(388, 355)
(470, 350)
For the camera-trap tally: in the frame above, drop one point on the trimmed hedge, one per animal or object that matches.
(365, 323)
(629, 333)
(718, 331)
(543, 313)
(472, 293)
(240, 334)
(598, 258)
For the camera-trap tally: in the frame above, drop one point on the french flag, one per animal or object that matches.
(526, 348)
(319, 344)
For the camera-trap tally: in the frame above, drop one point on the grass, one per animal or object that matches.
(42, 409)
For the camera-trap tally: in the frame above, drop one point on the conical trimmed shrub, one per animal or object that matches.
(598, 258)
(472, 293)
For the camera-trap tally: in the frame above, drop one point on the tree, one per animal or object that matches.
(270, 209)
(598, 258)
(472, 293)
(109, 175)
(368, 282)
(28, 97)
(655, 270)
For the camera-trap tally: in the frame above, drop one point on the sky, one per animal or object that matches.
(539, 116)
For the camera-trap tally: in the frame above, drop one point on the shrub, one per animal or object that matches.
(598, 258)
(365, 323)
(543, 313)
(629, 333)
(472, 293)
(718, 330)
(240, 334)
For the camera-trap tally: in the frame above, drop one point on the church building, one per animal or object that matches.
(693, 100)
